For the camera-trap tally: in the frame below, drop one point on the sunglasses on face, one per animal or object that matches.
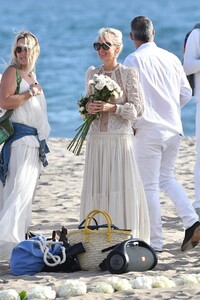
(19, 49)
(104, 46)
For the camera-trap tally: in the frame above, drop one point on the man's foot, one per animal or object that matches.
(192, 237)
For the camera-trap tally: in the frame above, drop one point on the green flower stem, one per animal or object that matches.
(77, 142)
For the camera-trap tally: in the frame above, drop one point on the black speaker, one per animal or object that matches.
(131, 255)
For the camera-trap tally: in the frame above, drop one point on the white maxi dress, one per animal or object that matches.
(111, 178)
(24, 168)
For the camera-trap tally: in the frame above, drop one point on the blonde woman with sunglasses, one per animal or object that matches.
(23, 153)
(111, 178)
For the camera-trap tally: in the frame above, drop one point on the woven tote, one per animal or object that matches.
(94, 240)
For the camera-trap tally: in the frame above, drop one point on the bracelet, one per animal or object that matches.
(32, 85)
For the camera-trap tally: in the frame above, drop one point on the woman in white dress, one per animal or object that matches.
(22, 155)
(111, 178)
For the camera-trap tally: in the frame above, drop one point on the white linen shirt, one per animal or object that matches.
(191, 62)
(166, 90)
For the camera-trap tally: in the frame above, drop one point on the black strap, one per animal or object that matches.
(8, 113)
(19, 79)
(97, 226)
(81, 226)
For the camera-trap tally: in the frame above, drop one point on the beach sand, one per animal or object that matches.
(57, 203)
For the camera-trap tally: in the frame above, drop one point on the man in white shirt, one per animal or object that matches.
(191, 64)
(158, 132)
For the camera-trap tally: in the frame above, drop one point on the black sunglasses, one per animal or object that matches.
(104, 46)
(19, 49)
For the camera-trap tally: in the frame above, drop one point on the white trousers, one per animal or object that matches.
(156, 163)
(196, 203)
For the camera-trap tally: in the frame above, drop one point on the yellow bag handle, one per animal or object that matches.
(89, 218)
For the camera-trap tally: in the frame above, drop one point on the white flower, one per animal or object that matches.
(115, 94)
(110, 85)
(143, 282)
(91, 82)
(103, 288)
(163, 282)
(120, 93)
(188, 279)
(81, 108)
(72, 288)
(41, 292)
(101, 81)
(96, 76)
(118, 89)
(119, 284)
(100, 84)
(10, 294)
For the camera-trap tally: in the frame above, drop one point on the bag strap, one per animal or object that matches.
(7, 115)
(96, 226)
(9, 112)
(44, 247)
(90, 217)
(19, 79)
(81, 225)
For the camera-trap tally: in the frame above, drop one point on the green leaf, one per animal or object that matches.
(22, 295)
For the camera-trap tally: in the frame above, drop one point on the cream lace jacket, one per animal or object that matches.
(129, 107)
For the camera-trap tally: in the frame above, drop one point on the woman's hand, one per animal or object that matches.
(100, 106)
(36, 89)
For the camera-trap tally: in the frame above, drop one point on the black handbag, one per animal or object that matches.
(70, 263)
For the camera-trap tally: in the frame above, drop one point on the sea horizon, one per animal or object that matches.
(66, 31)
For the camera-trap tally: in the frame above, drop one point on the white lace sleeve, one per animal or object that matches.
(89, 75)
(133, 108)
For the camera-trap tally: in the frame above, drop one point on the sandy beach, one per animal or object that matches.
(57, 203)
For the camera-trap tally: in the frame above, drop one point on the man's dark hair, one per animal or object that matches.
(142, 28)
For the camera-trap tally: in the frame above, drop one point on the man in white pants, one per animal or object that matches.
(191, 64)
(158, 132)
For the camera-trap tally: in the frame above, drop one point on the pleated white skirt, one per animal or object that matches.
(112, 183)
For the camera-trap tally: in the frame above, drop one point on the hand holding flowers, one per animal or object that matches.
(105, 90)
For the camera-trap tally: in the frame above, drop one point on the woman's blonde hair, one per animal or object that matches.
(33, 49)
(112, 35)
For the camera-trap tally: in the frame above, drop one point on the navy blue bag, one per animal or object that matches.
(30, 256)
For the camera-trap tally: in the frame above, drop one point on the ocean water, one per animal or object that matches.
(66, 30)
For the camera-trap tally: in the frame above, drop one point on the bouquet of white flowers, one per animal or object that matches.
(105, 89)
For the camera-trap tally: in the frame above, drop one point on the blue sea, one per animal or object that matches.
(66, 30)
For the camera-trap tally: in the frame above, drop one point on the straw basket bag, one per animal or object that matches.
(95, 238)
